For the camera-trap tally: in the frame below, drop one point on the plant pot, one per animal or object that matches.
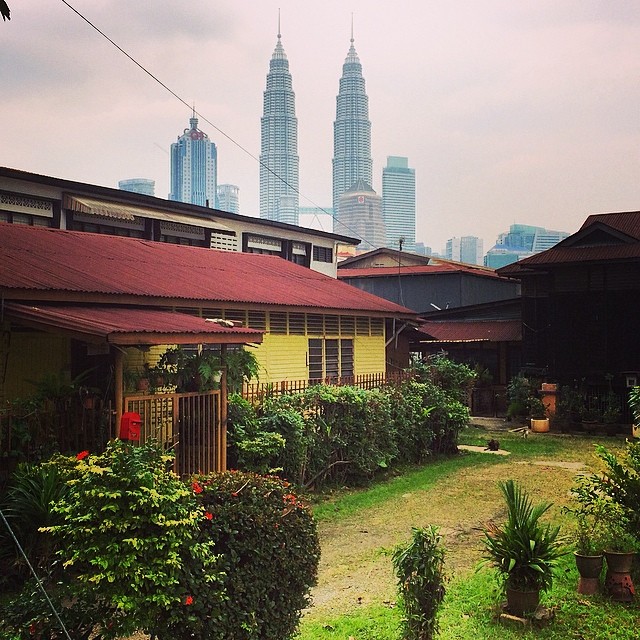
(635, 431)
(589, 568)
(519, 603)
(618, 583)
(540, 425)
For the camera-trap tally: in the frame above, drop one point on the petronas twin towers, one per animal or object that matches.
(279, 160)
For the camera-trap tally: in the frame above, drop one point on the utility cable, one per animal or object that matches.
(35, 575)
(220, 131)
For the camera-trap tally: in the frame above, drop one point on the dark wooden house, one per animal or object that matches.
(581, 304)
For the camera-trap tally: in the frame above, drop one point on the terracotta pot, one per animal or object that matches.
(589, 568)
(519, 603)
(618, 583)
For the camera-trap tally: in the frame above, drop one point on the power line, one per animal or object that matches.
(191, 108)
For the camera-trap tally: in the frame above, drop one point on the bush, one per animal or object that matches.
(127, 544)
(270, 552)
(419, 568)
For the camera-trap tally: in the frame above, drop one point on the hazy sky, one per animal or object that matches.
(525, 111)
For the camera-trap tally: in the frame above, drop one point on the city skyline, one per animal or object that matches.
(508, 112)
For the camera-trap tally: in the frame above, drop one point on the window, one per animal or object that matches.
(323, 254)
(330, 358)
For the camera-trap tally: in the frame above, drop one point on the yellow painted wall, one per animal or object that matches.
(282, 358)
(369, 355)
(32, 356)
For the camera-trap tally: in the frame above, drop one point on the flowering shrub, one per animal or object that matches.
(128, 545)
(269, 550)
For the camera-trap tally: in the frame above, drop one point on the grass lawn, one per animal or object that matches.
(355, 596)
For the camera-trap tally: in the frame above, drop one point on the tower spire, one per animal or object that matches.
(352, 28)
(279, 34)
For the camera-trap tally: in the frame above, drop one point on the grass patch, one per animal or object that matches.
(350, 502)
(471, 608)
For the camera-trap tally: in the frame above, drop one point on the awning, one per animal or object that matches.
(128, 326)
(470, 331)
(119, 211)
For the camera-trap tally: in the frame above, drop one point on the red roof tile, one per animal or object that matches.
(51, 260)
(627, 222)
(473, 331)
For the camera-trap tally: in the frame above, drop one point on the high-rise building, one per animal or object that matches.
(279, 161)
(467, 249)
(361, 216)
(228, 198)
(519, 242)
(351, 130)
(399, 203)
(194, 167)
(138, 185)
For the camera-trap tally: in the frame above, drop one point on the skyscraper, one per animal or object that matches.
(467, 249)
(194, 167)
(279, 161)
(351, 130)
(138, 185)
(361, 216)
(228, 198)
(399, 203)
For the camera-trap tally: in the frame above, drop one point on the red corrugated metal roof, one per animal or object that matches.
(41, 259)
(417, 270)
(626, 222)
(473, 331)
(114, 322)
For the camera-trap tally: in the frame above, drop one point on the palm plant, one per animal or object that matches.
(524, 550)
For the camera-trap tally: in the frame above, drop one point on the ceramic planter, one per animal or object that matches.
(540, 425)
(589, 568)
(618, 583)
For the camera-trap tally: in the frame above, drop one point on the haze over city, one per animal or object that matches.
(507, 112)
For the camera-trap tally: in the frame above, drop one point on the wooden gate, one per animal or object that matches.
(189, 422)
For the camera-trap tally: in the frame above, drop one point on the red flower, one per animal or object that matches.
(188, 600)
(208, 515)
(197, 488)
(82, 455)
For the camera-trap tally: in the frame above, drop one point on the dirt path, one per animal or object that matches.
(355, 568)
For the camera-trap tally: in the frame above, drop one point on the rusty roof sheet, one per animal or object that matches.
(416, 270)
(627, 222)
(472, 331)
(114, 322)
(51, 260)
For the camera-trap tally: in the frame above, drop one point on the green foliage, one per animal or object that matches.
(270, 551)
(453, 377)
(523, 550)
(128, 540)
(519, 393)
(419, 567)
(615, 493)
(242, 366)
(28, 506)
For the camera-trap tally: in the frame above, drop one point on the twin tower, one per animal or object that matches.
(279, 160)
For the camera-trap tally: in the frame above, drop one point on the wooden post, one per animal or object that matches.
(222, 439)
(118, 387)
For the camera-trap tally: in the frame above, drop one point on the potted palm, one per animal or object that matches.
(523, 550)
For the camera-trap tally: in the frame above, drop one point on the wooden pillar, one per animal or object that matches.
(118, 387)
(222, 452)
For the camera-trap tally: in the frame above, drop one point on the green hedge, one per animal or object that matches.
(333, 435)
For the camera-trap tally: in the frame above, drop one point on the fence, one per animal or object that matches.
(256, 392)
(189, 422)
